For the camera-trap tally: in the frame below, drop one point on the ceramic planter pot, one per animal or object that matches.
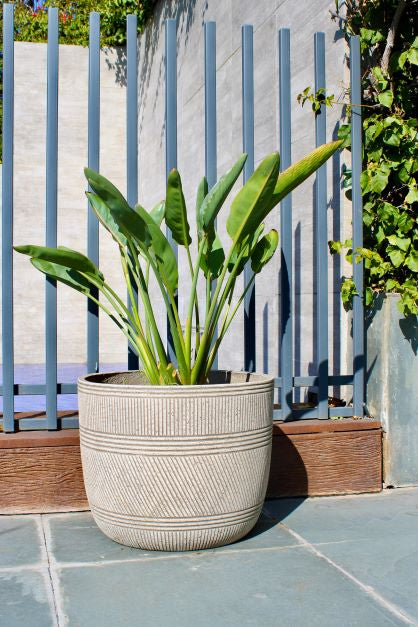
(175, 468)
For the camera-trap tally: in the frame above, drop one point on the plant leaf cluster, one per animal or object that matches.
(390, 158)
(145, 250)
(32, 25)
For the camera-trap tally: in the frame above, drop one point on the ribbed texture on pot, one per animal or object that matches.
(175, 468)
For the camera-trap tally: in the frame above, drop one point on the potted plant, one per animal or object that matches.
(177, 456)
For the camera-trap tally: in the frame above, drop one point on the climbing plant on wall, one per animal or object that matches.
(389, 50)
(32, 25)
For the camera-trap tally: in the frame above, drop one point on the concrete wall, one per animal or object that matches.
(29, 190)
(304, 18)
(392, 395)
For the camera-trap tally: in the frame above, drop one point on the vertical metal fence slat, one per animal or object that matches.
(357, 208)
(286, 331)
(170, 127)
(7, 219)
(51, 216)
(248, 147)
(132, 138)
(93, 163)
(321, 237)
(210, 117)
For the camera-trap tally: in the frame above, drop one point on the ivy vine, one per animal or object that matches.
(389, 51)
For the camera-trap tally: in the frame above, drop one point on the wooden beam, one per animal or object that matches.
(40, 471)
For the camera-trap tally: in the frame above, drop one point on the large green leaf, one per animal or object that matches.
(175, 210)
(214, 200)
(301, 170)
(105, 217)
(264, 250)
(157, 213)
(246, 246)
(125, 217)
(132, 224)
(69, 276)
(161, 250)
(213, 257)
(105, 189)
(61, 256)
(253, 202)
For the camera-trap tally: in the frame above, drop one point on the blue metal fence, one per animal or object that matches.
(286, 382)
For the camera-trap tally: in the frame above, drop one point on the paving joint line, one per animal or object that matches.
(185, 555)
(390, 607)
(56, 565)
(43, 568)
(53, 577)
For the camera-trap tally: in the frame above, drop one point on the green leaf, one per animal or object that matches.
(245, 249)
(378, 74)
(348, 290)
(61, 256)
(405, 223)
(380, 234)
(412, 195)
(335, 248)
(175, 210)
(300, 171)
(264, 250)
(126, 218)
(412, 56)
(105, 189)
(253, 202)
(161, 250)
(386, 98)
(68, 276)
(392, 138)
(105, 218)
(402, 243)
(391, 284)
(213, 258)
(344, 133)
(412, 260)
(368, 293)
(202, 192)
(214, 200)
(157, 213)
(378, 180)
(396, 255)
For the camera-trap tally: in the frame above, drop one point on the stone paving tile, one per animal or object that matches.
(374, 538)
(20, 541)
(268, 587)
(25, 600)
(76, 538)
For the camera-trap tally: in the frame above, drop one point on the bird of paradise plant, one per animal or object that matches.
(145, 249)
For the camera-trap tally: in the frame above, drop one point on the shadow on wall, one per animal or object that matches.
(409, 328)
(183, 11)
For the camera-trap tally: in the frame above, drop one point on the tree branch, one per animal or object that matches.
(390, 42)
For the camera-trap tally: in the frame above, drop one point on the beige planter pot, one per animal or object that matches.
(176, 468)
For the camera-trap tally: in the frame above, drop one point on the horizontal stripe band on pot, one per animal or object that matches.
(201, 391)
(175, 446)
(177, 524)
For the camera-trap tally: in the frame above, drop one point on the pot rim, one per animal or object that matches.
(260, 379)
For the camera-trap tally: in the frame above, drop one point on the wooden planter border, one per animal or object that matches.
(40, 471)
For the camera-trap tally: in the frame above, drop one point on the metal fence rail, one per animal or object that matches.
(286, 382)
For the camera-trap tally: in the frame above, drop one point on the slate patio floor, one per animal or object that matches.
(323, 561)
